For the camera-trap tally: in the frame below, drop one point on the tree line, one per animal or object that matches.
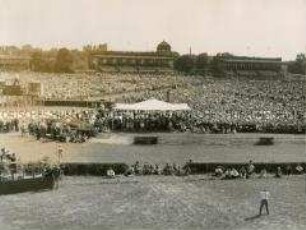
(66, 60)
(202, 64)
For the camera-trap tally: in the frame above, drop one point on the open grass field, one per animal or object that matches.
(174, 147)
(157, 202)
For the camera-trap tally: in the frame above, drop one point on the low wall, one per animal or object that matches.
(92, 169)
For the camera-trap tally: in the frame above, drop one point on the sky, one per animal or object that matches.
(274, 28)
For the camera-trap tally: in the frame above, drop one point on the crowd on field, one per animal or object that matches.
(243, 104)
(219, 105)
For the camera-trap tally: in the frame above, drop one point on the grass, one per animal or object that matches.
(158, 202)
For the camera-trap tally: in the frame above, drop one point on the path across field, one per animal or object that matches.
(172, 147)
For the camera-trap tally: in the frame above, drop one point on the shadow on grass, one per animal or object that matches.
(252, 217)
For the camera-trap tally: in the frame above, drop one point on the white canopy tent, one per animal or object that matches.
(153, 105)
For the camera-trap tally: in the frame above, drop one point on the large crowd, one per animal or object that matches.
(90, 86)
(245, 105)
(223, 105)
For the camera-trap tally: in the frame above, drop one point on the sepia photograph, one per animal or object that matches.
(152, 114)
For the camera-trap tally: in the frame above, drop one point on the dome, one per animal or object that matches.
(163, 47)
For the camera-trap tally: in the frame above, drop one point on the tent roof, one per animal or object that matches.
(152, 104)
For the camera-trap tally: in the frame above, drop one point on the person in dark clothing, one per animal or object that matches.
(278, 172)
(264, 201)
(289, 170)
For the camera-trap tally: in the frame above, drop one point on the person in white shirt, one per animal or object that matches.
(110, 173)
(235, 173)
(299, 169)
(264, 197)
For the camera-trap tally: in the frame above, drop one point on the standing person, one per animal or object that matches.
(278, 172)
(250, 169)
(289, 170)
(60, 151)
(264, 201)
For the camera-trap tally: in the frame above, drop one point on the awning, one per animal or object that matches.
(152, 105)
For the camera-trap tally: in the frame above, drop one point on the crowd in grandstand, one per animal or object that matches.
(219, 105)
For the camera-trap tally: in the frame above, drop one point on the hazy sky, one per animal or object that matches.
(243, 27)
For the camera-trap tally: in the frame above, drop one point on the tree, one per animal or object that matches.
(216, 65)
(185, 63)
(299, 65)
(39, 63)
(80, 60)
(202, 62)
(64, 61)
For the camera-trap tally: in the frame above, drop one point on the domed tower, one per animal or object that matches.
(163, 48)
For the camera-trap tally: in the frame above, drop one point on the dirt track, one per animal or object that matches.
(174, 147)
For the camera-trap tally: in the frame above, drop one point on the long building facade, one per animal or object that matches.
(239, 63)
(161, 59)
(14, 62)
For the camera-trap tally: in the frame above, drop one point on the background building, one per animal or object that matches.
(162, 59)
(14, 62)
(237, 63)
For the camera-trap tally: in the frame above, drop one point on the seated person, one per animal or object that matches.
(146, 169)
(178, 171)
(243, 172)
(174, 168)
(250, 169)
(227, 174)
(234, 173)
(137, 168)
(110, 173)
(129, 171)
(263, 173)
(218, 171)
(289, 170)
(278, 172)
(187, 170)
(167, 170)
(299, 169)
(156, 170)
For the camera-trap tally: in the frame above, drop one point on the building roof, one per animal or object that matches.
(163, 46)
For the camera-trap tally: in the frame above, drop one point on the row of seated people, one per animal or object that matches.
(249, 172)
(150, 169)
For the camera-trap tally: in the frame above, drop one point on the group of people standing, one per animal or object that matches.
(9, 126)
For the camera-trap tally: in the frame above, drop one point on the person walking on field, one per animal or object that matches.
(264, 196)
